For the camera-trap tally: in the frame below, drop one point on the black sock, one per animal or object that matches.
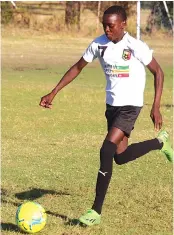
(107, 152)
(137, 150)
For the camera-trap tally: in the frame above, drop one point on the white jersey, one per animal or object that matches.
(123, 65)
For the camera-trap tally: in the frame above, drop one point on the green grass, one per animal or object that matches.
(52, 156)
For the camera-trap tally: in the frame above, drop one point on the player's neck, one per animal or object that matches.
(119, 39)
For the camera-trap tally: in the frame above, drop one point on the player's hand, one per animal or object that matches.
(46, 101)
(156, 118)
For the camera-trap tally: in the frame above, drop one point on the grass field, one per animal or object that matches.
(52, 156)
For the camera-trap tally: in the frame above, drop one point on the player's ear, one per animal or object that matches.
(123, 24)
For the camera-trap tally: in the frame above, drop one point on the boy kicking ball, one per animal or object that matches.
(123, 59)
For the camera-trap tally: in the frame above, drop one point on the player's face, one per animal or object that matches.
(113, 26)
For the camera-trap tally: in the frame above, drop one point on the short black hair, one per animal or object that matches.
(118, 10)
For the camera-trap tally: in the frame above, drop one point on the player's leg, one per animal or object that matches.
(123, 145)
(126, 154)
(107, 151)
(120, 120)
(137, 150)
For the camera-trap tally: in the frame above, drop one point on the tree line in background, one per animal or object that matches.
(157, 19)
(73, 10)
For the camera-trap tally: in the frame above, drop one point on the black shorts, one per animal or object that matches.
(122, 117)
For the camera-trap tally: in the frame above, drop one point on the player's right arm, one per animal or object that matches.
(69, 76)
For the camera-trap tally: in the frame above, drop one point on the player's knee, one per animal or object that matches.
(118, 160)
(108, 149)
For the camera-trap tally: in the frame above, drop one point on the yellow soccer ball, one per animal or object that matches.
(31, 217)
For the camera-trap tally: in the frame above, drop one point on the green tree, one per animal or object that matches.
(158, 17)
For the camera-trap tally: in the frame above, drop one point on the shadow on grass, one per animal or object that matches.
(63, 217)
(36, 193)
(9, 227)
(68, 221)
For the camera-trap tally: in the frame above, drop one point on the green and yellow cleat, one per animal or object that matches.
(90, 218)
(163, 137)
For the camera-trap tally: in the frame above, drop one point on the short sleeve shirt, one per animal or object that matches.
(123, 64)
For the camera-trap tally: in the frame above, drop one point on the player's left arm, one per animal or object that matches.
(155, 114)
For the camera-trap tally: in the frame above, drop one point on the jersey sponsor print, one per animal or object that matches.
(117, 71)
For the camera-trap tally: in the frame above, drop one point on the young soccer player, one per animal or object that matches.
(122, 58)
